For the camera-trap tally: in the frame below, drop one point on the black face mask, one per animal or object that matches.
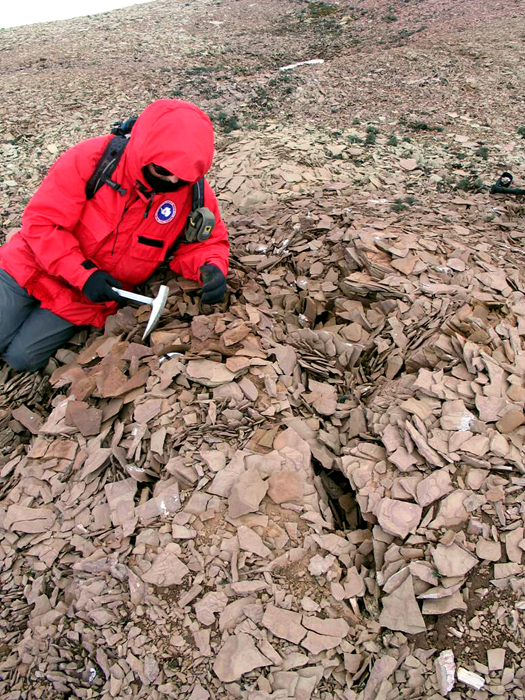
(158, 185)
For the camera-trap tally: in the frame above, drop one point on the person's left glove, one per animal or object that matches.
(213, 284)
(98, 287)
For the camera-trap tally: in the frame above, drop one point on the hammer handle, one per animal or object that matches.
(503, 185)
(139, 298)
(497, 189)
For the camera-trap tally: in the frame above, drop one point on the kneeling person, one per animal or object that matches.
(58, 272)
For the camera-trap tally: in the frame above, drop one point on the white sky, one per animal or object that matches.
(16, 12)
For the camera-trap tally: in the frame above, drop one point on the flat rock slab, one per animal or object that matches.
(496, 659)
(486, 549)
(238, 656)
(329, 626)
(401, 611)
(29, 520)
(147, 411)
(354, 585)
(512, 545)
(208, 373)
(382, 669)
(120, 497)
(30, 420)
(250, 541)
(233, 613)
(473, 680)
(511, 420)
(167, 570)
(320, 565)
(398, 518)
(246, 494)
(199, 693)
(453, 560)
(234, 335)
(213, 602)
(452, 510)
(284, 624)
(285, 486)
(214, 459)
(286, 358)
(434, 487)
(442, 606)
(316, 643)
(87, 419)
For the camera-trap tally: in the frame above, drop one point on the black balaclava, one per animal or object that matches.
(158, 185)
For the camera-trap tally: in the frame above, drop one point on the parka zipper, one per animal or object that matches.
(148, 207)
(149, 194)
(131, 201)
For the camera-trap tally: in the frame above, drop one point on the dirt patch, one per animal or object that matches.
(491, 622)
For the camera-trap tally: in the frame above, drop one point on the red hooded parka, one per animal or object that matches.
(127, 236)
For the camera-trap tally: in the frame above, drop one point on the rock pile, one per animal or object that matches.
(176, 526)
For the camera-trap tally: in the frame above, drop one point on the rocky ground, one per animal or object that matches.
(317, 489)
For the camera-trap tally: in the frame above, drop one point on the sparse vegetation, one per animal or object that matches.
(471, 183)
(483, 152)
(318, 8)
(405, 34)
(398, 206)
(390, 16)
(402, 204)
(371, 135)
(420, 125)
(199, 70)
(226, 122)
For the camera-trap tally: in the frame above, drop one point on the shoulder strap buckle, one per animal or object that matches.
(106, 166)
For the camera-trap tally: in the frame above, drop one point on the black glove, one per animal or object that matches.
(213, 284)
(98, 287)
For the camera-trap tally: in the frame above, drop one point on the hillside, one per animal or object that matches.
(319, 491)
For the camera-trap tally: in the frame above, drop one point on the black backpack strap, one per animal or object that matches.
(201, 221)
(106, 167)
(198, 195)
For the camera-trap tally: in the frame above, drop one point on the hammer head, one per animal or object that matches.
(157, 306)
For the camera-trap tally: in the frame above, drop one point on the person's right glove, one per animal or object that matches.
(98, 287)
(213, 284)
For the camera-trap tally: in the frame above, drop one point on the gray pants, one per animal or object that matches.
(29, 335)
